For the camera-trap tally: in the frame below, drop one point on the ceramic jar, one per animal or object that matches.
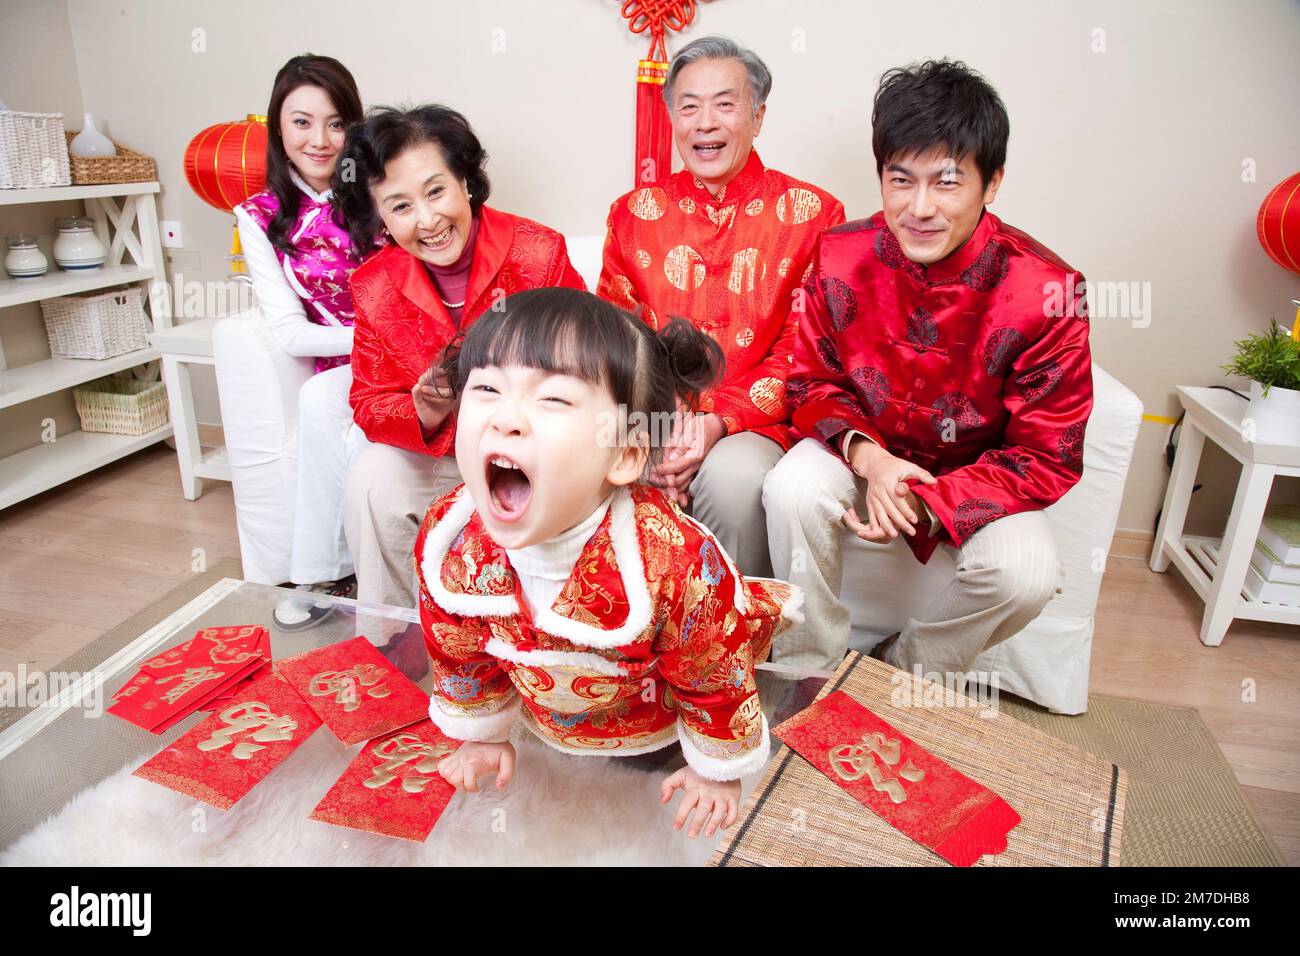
(77, 248)
(23, 257)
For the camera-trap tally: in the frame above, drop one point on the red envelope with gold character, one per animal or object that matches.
(913, 790)
(393, 787)
(174, 684)
(260, 667)
(226, 755)
(355, 690)
(225, 694)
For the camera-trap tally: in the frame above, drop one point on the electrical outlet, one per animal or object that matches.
(171, 234)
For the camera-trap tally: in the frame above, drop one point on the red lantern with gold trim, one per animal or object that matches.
(1278, 224)
(225, 164)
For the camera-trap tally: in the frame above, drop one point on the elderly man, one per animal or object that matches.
(724, 243)
(944, 388)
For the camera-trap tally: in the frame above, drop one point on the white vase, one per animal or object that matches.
(1274, 420)
(90, 141)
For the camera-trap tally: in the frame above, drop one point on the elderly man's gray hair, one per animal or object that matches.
(721, 48)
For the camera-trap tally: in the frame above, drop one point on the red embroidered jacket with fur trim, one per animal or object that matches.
(653, 638)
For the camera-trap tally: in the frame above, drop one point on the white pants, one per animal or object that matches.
(386, 494)
(325, 449)
(1006, 572)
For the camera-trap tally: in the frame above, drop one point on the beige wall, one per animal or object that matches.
(1126, 161)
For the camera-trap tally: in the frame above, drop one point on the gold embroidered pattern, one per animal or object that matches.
(250, 715)
(853, 761)
(345, 686)
(401, 749)
(190, 679)
(743, 265)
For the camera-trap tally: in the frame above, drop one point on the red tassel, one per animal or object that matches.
(653, 131)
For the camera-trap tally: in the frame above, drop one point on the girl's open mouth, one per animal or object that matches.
(509, 488)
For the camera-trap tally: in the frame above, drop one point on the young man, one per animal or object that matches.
(725, 243)
(946, 384)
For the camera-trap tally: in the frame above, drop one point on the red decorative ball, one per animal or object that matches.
(226, 163)
(1279, 223)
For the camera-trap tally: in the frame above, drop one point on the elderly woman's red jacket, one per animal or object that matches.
(402, 325)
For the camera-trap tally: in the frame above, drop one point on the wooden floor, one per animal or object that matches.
(78, 560)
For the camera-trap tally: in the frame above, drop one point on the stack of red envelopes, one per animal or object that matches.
(392, 787)
(201, 674)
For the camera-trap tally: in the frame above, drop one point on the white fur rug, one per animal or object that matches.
(558, 810)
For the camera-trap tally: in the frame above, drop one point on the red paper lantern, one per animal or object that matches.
(1279, 223)
(226, 163)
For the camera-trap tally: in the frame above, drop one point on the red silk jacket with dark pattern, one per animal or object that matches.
(976, 368)
(731, 265)
(402, 325)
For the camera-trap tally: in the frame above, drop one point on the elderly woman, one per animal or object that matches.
(417, 178)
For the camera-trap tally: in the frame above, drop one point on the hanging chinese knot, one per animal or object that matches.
(653, 159)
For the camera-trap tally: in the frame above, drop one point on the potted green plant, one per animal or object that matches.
(1272, 363)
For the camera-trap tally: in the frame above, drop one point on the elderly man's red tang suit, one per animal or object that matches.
(731, 264)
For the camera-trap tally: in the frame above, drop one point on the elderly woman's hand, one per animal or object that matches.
(433, 398)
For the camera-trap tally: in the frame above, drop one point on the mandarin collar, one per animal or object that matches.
(959, 260)
(320, 199)
(741, 186)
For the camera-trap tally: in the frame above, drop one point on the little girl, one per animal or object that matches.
(554, 585)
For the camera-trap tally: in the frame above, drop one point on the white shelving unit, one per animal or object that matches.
(126, 221)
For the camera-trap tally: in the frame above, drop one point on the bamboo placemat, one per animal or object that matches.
(1071, 803)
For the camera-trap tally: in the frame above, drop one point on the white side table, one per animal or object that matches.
(1216, 414)
(182, 346)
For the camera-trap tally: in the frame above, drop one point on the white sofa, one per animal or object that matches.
(1047, 662)
(257, 384)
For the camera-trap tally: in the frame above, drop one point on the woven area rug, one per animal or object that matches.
(1185, 807)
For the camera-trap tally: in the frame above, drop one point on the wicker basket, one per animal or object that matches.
(33, 150)
(127, 166)
(121, 406)
(96, 326)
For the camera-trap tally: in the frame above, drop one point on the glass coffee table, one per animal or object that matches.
(65, 771)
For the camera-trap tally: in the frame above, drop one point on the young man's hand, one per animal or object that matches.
(891, 505)
(718, 802)
(472, 760)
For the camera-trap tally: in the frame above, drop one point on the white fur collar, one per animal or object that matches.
(627, 552)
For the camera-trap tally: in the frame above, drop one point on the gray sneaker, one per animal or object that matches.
(300, 613)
